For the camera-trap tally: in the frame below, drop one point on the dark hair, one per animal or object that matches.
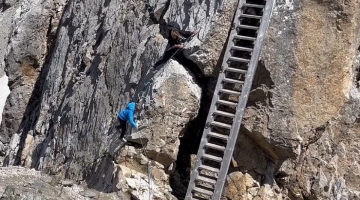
(138, 106)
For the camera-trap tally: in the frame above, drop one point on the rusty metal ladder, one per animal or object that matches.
(229, 100)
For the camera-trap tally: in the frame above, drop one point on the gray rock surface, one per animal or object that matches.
(73, 64)
(60, 114)
(20, 183)
(7, 12)
(148, 182)
(303, 109)
(207, 51)
(175, 100)
(31, 37)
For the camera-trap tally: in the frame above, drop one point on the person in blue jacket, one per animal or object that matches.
(125, 115)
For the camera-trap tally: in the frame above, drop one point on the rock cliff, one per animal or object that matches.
(73, 64)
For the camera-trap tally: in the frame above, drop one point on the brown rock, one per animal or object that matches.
(159, 174)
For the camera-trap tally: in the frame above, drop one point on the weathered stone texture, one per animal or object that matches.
(307, 118)
(32, 30)
(207, 54)
(7, 12)
(67, 90)
(71, 70)
(175, 101)
(21, 183)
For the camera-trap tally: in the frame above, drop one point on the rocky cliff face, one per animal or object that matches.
(23, 183)
(7, 9)
(305, 105)
(73, 64)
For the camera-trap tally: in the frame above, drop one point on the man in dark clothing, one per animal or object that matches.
(175, 39)
(125, 115)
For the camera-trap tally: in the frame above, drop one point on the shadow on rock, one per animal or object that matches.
(103, 175)
(115, 146)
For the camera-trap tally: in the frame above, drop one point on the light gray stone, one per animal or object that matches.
(22, 183)
(143, 159)
(89, 193)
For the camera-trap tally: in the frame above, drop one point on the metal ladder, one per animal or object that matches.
(229, 100)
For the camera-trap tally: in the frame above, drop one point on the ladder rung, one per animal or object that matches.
(239, 59)
(213, 158)
(241, 48)
(203, 191)
(230, 92)
(198, 198)
(225, 114)
(229, 80)
(241, 71)
(217, 135)
(228, 103)
(219, 124)
(207, 180)
(212, 169)
(214, 146)
(240, 37)
(248, 27)
(251, 16)
(253, 5)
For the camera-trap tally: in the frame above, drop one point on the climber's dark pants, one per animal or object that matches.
(121, 124)
(167, 55)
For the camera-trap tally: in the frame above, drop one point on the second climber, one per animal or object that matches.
(175, 38)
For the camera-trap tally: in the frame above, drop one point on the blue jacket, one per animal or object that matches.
(128, 114)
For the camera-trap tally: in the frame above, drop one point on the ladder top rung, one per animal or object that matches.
(250, 16)
(212, 169)
(205, 179)
(239, 59)
(229, 80)
(219, 124)
(242, 48)
(248, 27)
(203, 191)
(214, 158)
(228, 103)
(215, 146)
(241, 71)
(240, 37)
(253, 5)
(217, 135)
(226, 114)
(230, 92)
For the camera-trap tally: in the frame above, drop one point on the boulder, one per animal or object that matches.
(175, 100)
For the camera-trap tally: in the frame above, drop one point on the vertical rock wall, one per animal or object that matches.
(304, 108)
(73, 64)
